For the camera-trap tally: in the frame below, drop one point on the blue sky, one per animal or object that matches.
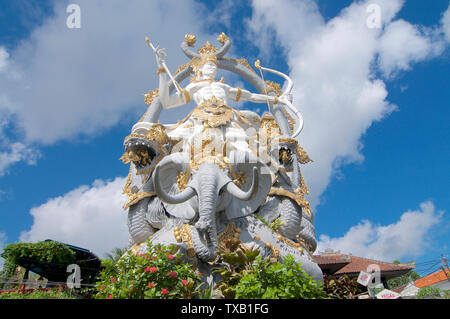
(375, 103)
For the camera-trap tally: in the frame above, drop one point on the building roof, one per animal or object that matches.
(431, 279)
(352, 265)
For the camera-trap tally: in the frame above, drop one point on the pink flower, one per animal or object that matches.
(170, 256)
(173, 274)
(151, 269)
(151, 285)
(110, 297)
(184, 282)
(164, 291)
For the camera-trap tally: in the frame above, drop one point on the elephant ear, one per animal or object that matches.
(173, 171)
(242, 164)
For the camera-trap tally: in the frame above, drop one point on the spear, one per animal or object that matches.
(175, 83)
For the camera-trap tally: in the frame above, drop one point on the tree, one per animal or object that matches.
(403, 279)
(116, 253)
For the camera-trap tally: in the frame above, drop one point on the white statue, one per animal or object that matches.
(219, 173)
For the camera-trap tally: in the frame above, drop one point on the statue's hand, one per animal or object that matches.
(286, 98)
(160, 56)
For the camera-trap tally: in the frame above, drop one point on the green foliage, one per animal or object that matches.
(342, 287)
(285, 280)
(403, 279)
(276, 224)
(159, 273)
(38, 294)
(116, 253)
(432, 293)
(44, 251)
(246, 275)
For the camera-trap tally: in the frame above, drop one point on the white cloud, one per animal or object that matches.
(63, 82)
(407, 238)
(88, 216)
(74, 81)
(335, 66)
(17, 152)
(445, 21)
(3, 59)
(400, 45)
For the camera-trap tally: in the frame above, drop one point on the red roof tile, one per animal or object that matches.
(358, 263)
(353, 264)
(431, 279)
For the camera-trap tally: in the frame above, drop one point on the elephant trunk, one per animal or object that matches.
(206, 225)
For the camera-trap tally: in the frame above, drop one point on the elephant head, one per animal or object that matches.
(209, 189)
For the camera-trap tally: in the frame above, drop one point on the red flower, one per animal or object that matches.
(164, 291)
(147, 269)
(170, 256)
(110, 297)
(153, 269)
(113, 280)
(173, 274)
(184, 282)
(151, 285)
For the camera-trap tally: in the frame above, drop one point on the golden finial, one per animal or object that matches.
(190, 39)
(222, 38)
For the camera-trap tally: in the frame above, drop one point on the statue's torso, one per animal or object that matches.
(204, 90)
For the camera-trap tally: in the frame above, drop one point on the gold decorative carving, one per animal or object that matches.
(289, 242)
(161, 70)
(213, 112)
(273, 87)
(185, 234)
(150, 96)
(190, 39)
(181, 67)
(207, 49)
(300, 200)
(238, 95)
(222, 38)
(241, 61)
(303, 157)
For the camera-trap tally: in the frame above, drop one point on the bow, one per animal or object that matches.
(286, 94)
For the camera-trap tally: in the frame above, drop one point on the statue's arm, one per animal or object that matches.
(240, 94)
(171, 101)
(168, 101)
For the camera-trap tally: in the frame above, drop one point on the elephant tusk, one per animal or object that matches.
(185, 195)
(240, 194)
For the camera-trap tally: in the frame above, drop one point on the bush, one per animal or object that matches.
(247, 276)
(159, 273)
(430, 293)
(342, 287)
(284, 280)
(38, 294)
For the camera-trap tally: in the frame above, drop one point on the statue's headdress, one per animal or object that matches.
(207, 52)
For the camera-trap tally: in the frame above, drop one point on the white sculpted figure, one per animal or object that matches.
(219, 173)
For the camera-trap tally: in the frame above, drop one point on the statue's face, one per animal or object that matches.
(209, 69)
